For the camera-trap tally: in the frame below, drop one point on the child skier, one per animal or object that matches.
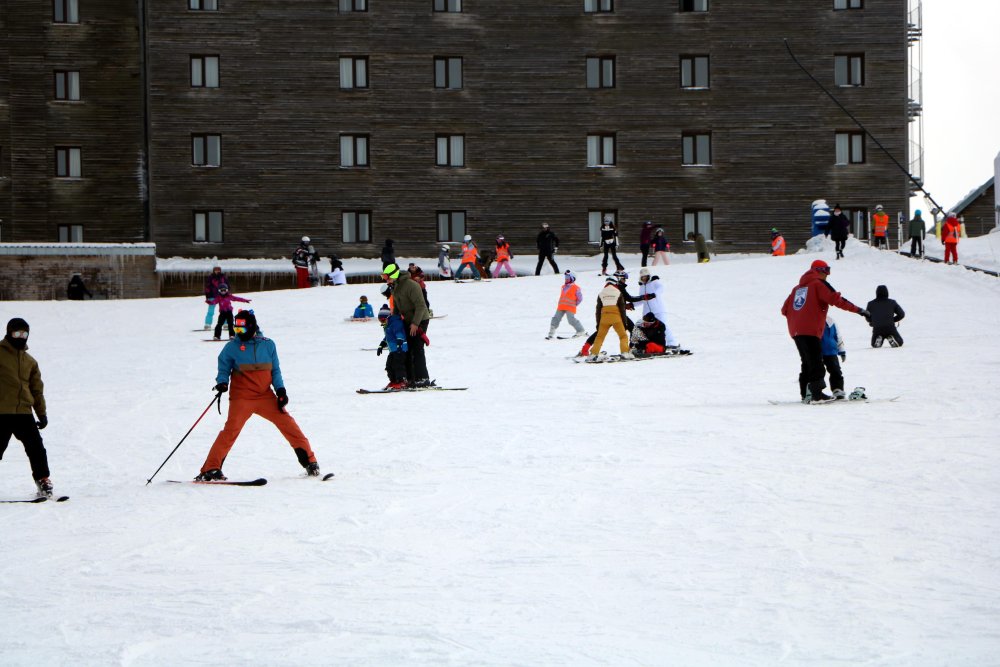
(225, 303)
(395, 340)
(833, 354)
(569, 299)
(883, 315)
(649, 337)
(470, 255)
(444, 262)
(503, 257)
(364, 310)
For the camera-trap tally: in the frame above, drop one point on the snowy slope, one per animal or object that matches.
(655, 513)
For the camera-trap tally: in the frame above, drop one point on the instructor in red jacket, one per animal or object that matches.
(805, 309)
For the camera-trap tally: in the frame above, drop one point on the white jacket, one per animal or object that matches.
(655, 305)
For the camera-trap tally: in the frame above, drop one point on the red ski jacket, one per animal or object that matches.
(805, 308)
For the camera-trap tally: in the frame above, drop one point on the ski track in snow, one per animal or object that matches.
(553, 514)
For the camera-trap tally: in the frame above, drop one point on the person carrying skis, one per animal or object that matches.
(918, 232)
(394, 338)
(225, 303)
(805, 310)
(880, 228)
(364, 310)
(661, 246)
(950, 233)
(444, 261)
(883, 314)
(611, 315)
(470, 255)
(212, 282)
(609, 244)
(569, 298)
(21, 391)
(833, 354)
(301, 258)
(840, 229)
(777, 243)
(651, 295)
(503, 257)
(409, 304)
(249, 366)
(548, 245)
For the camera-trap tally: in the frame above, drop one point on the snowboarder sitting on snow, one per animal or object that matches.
(884, 313)
(225, 303)
(250, 364)
(363, 311)
(649, 336)
(395, 340)
(833, 354)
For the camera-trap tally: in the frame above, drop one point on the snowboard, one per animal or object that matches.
(604, 358)
(835, 401)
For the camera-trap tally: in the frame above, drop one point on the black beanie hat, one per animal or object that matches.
(251, 323)
(17, 324)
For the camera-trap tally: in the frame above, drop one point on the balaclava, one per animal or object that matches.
(249, 323)
(17, 324)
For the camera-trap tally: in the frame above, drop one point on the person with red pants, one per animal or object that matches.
(805, 310)
(880, 227)
(950, 233)
(301, 257)
(249, 364)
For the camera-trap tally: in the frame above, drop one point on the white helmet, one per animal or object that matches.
(445, 248)
(468, 237)
(305, 239)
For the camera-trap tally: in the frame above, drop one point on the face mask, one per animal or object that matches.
(17, 339)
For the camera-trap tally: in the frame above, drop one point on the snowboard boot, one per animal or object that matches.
(892, 342)
(858, 394)
(816, 397)
(213, 475)
(839, 394)
(44, 487)
(878, 341)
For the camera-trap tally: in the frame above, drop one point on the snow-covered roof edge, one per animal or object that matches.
(972, 196)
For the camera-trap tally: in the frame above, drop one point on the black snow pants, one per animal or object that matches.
(887, 333)
(811, 353)
(24, 429)
(542, 256)
(832, 363)
(227, 317)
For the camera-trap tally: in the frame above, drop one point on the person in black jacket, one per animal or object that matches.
(840, 227)
(883, 315)
(609, 244)
(548, 244)
(388, 254)
(76, 290)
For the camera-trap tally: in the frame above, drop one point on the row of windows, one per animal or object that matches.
(68, 11)
(696, 150)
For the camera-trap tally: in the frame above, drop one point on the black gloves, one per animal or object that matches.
(222, 387)
(864, 313)
(42, 422)
(843, 356)
(282, 397)
(381, 348)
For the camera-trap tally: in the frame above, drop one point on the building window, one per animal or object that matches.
(848, 4)
(353, 72)
(696, 148)
(65, 11)
(67, 86)
(850, 147)
(849, 69)
(694, 72)
(450, 150)
(601, 72)
(348, 6)
(208, 227)
(203, 5)
(354, 150)
(699, 222)
(450, 225)
(68, 162)
(357, 226)
(600, 150)
(594, 220)
(70, 233)
(204, 71)
(447, 72)
(694, 5)
(206, 150)
(447, 5)
(598, 6)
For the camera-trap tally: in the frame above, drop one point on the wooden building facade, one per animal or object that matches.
(354, 121)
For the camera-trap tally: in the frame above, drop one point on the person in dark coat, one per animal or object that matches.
(645, 238)
(609, 244)
(883, 315)
(548, 244)
(76, 290)
(388, 254)
(840, 228)
(918, 232)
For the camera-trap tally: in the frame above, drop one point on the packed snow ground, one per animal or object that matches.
(653, 513)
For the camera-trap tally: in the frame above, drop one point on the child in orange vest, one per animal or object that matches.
(950, 232)
(503, 258)
(880, 227)
(470, 254)
(569, 299)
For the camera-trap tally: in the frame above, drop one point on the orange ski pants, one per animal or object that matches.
(240, 410)
(610, 318)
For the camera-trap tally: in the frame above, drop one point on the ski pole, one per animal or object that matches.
(217, 398)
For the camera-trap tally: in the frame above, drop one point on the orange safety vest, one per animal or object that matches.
(503, 252)
(469, 253)
(569, 298)
(778, 246)
(951, 231)
(881, 221)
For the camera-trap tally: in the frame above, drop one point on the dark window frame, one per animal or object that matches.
(694, 136)
(66, 230)
(65, 75)
(695, 211)
(600, 61)
(451, 236)
(67, 153)
(203, 5)
(851, 156)
(204, 78)
(352, 6)
(601, 161)
(694, 5)
(355, 137)
(848, 5)
(448, 157)
(204, 138)
(594, 232)
(445, 83)
(447, 6)
(850, 82)
(599, 6)
(355, 62)
(691, 60)
(357, 221)
(208, 225)
(61, 13)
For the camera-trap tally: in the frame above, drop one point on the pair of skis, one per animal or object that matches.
(409, 389)
(604, 358)
(261, 481)
(42, 499)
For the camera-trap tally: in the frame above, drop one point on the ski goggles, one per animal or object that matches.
(18, 334)
(240, 326)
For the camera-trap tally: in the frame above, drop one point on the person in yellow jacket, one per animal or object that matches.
(611, 315)
(777, 243)
(470, 255)
(21, 391)
(569, 299)
(880, 228)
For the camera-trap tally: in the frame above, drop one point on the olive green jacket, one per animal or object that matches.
(20, 382)
(408, 300)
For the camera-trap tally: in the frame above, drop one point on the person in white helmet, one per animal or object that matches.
(301, 257)
(470, 255)
(444, 261)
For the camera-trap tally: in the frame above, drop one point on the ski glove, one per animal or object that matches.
(222, 387)
(282, 397)
(378, 352)
(864, 313)
(42, 422)
(843, 357)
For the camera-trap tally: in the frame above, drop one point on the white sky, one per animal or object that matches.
(961, 101)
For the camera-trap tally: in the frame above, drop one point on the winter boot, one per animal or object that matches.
(213, 475)
(312, 470)
(44, 487)
(628, 356)
(552, 334)
(578, 334)
(839, 394)
(816, 397)
(878, 341)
